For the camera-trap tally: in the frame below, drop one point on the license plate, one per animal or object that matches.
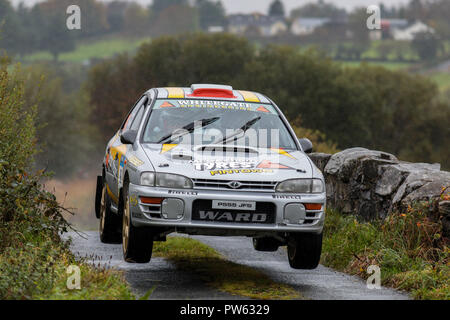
(234, 205)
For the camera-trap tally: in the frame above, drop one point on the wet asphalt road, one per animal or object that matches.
(169, 283)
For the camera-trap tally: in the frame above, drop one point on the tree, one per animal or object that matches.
(136, 20)
(276, 9)
(320, 9)
(11, 31)
(115, 11)
(210, 13)
(160, 5)
(175, 20)
(426, 45)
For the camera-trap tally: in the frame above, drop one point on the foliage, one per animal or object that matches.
(211, 13)
(365, 106)
(426, 44)
(276, 9)
(318, 139)
(33, 257)
(321, 9)
(408, 247)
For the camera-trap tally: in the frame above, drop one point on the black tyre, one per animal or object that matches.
(266, 244)
(109, 227)
(304, 250)
(98, 196)
(137, 243)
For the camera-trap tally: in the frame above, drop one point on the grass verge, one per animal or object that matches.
(226, 276)
(408, 248)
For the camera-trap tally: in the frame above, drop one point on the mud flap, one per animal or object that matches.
(98, 196)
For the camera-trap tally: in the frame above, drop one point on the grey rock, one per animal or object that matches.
(372, 184)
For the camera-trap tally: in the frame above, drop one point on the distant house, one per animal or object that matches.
(409, 33)
(260, 24)
(305, 26)
(387, 27)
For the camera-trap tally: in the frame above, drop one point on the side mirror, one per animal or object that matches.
(306, 144)
(128, 137)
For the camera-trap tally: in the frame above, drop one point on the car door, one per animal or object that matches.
(116, 150)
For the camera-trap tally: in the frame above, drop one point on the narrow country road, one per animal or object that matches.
(170, 283)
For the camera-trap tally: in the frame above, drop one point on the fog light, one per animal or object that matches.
(172, 209)
(294, 213)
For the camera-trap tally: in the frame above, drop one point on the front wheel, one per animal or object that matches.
(137, 243)
(304, 250)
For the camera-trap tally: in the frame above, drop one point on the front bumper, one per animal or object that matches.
(142, 216)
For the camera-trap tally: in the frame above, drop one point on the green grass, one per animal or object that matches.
(442, 80)
(194, 256)
(388, 65)
(95, 49)
(407, 247)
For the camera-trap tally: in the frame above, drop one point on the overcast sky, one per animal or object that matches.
(246, 6)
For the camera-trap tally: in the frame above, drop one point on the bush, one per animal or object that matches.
(33, 257)
(408, 247)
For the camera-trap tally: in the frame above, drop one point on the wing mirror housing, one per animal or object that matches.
(306, 144)
(128, 137)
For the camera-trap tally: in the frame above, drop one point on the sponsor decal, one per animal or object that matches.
(288, 197)
(135, 161)
(133, 200)
(215, 104)
(224, 164)
(236, 164)
(235, 171)
(187, 193)
(226, 216)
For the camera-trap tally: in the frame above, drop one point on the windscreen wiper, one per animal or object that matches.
(188, 129)
(241, 130)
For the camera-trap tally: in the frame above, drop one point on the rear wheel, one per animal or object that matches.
(137, 243)
(109, 227)
(265, 244)
(304, 250)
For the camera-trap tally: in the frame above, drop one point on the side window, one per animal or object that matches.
(133, 113)
(137, 119)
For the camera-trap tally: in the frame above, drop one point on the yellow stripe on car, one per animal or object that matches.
(283, 152)
(167, 147)
(249, 96)
(175, 93)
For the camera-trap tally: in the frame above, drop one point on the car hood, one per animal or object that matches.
(237, 163)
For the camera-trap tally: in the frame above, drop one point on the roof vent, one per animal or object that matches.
(212, 91)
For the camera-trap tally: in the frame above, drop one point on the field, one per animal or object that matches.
(100, 49)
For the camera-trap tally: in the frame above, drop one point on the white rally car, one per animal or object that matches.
(210, 160)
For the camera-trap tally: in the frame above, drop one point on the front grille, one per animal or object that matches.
(265, 186)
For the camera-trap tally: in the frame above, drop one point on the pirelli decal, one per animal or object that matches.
(175, 93)
(249, 96)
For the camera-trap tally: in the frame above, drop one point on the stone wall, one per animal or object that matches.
(372, 184)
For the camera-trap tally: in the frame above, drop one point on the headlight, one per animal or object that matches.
(168, 180)
(301, 186)
(148, 179)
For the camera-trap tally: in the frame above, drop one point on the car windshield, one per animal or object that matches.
(203, 122)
